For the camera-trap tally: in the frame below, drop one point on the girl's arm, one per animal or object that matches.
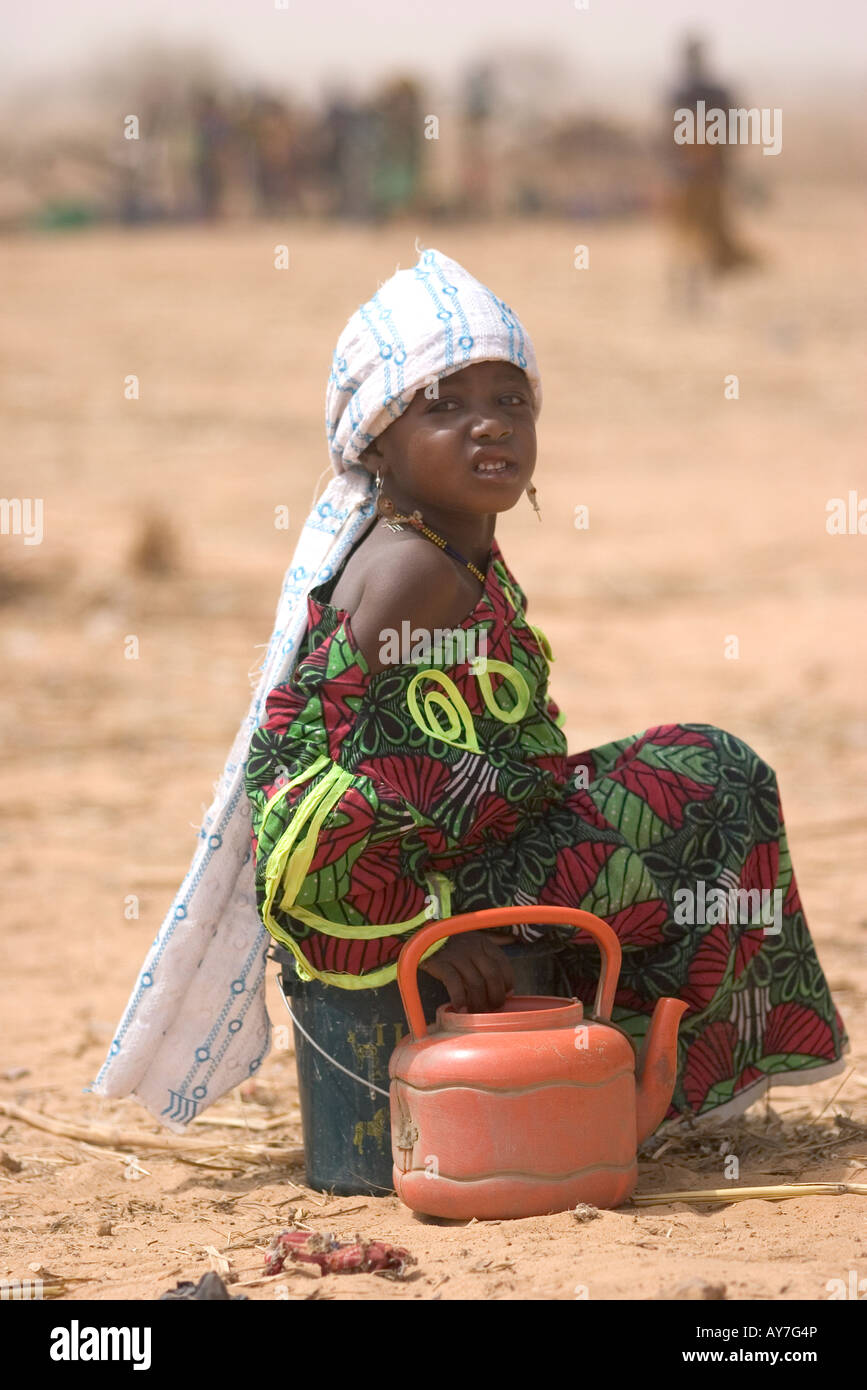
(424, 589)
(420, 586)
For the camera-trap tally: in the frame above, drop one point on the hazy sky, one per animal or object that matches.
(308, 43)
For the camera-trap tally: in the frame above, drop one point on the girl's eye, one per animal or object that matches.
(514, 398)
(442, 405)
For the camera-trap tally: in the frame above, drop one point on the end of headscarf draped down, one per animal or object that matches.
(196, 1023)
(421, 325)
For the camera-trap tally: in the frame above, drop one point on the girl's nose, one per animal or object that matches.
(489, 427)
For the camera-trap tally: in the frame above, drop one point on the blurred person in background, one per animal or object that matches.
(397, 112)
(478, 108)
(271, 129)
(349, 141)
(212, 153)
(698, 195)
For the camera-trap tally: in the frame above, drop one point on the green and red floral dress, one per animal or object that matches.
(446, 786)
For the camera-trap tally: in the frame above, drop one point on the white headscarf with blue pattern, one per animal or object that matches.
(196, 1024)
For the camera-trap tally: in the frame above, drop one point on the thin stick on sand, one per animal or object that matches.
(108, 1137)
(750, 1194)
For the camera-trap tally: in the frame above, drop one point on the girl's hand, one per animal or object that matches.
(474, 971)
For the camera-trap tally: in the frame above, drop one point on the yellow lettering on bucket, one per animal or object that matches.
(372, 1129)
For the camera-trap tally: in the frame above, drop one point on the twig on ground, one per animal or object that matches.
(749, 1194)
(849, 1073)
(240, 1122)
(103, 1135)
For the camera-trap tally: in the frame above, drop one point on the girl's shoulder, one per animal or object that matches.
(406, 585)
(333, 682)
(423, 602)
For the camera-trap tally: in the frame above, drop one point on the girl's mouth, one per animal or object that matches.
(495, 468)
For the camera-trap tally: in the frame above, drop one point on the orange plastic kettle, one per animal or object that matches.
(531, 1108)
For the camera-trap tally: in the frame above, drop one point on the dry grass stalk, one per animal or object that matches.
(749, 1194)
(106, 1136)
(240, 1122)
(795, 1143)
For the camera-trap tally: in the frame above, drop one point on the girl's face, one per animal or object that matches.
(472, 449)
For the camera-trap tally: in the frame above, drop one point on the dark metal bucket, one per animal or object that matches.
(344, 1039)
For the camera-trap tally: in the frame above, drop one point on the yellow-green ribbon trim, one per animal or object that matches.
(278, 859)
(289, 863)
(311, 771)
(543, 642)
(384, 974)
(453, 706)
(512, 677)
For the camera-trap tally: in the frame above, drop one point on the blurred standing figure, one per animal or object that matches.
(349, 139)
(213, 135)
(478, 103)
(141, 161)
(698, 201)
(179, 152)
(272, 140)
(398, 155)
(333, 144)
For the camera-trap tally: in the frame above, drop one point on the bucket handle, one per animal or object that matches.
(410, 956)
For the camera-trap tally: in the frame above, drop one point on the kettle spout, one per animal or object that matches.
(656, 1068)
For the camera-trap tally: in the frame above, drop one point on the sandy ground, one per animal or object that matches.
(707, 521)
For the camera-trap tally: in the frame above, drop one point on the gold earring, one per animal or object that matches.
(384, 505)
(531, 493)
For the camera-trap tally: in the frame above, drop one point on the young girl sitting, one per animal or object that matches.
(413, 764)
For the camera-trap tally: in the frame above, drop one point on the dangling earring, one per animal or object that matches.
(384, 505)
(531, 493)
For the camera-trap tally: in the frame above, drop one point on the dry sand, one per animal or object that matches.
(707, 520)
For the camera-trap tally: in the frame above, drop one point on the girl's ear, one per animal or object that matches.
(369, 457)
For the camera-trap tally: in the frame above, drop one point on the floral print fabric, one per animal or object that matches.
(376, 797)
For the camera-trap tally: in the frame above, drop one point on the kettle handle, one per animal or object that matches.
(605, 938)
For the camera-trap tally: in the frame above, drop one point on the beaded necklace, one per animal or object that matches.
(394, 523)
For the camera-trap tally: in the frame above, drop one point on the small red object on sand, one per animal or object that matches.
(335, 1256)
